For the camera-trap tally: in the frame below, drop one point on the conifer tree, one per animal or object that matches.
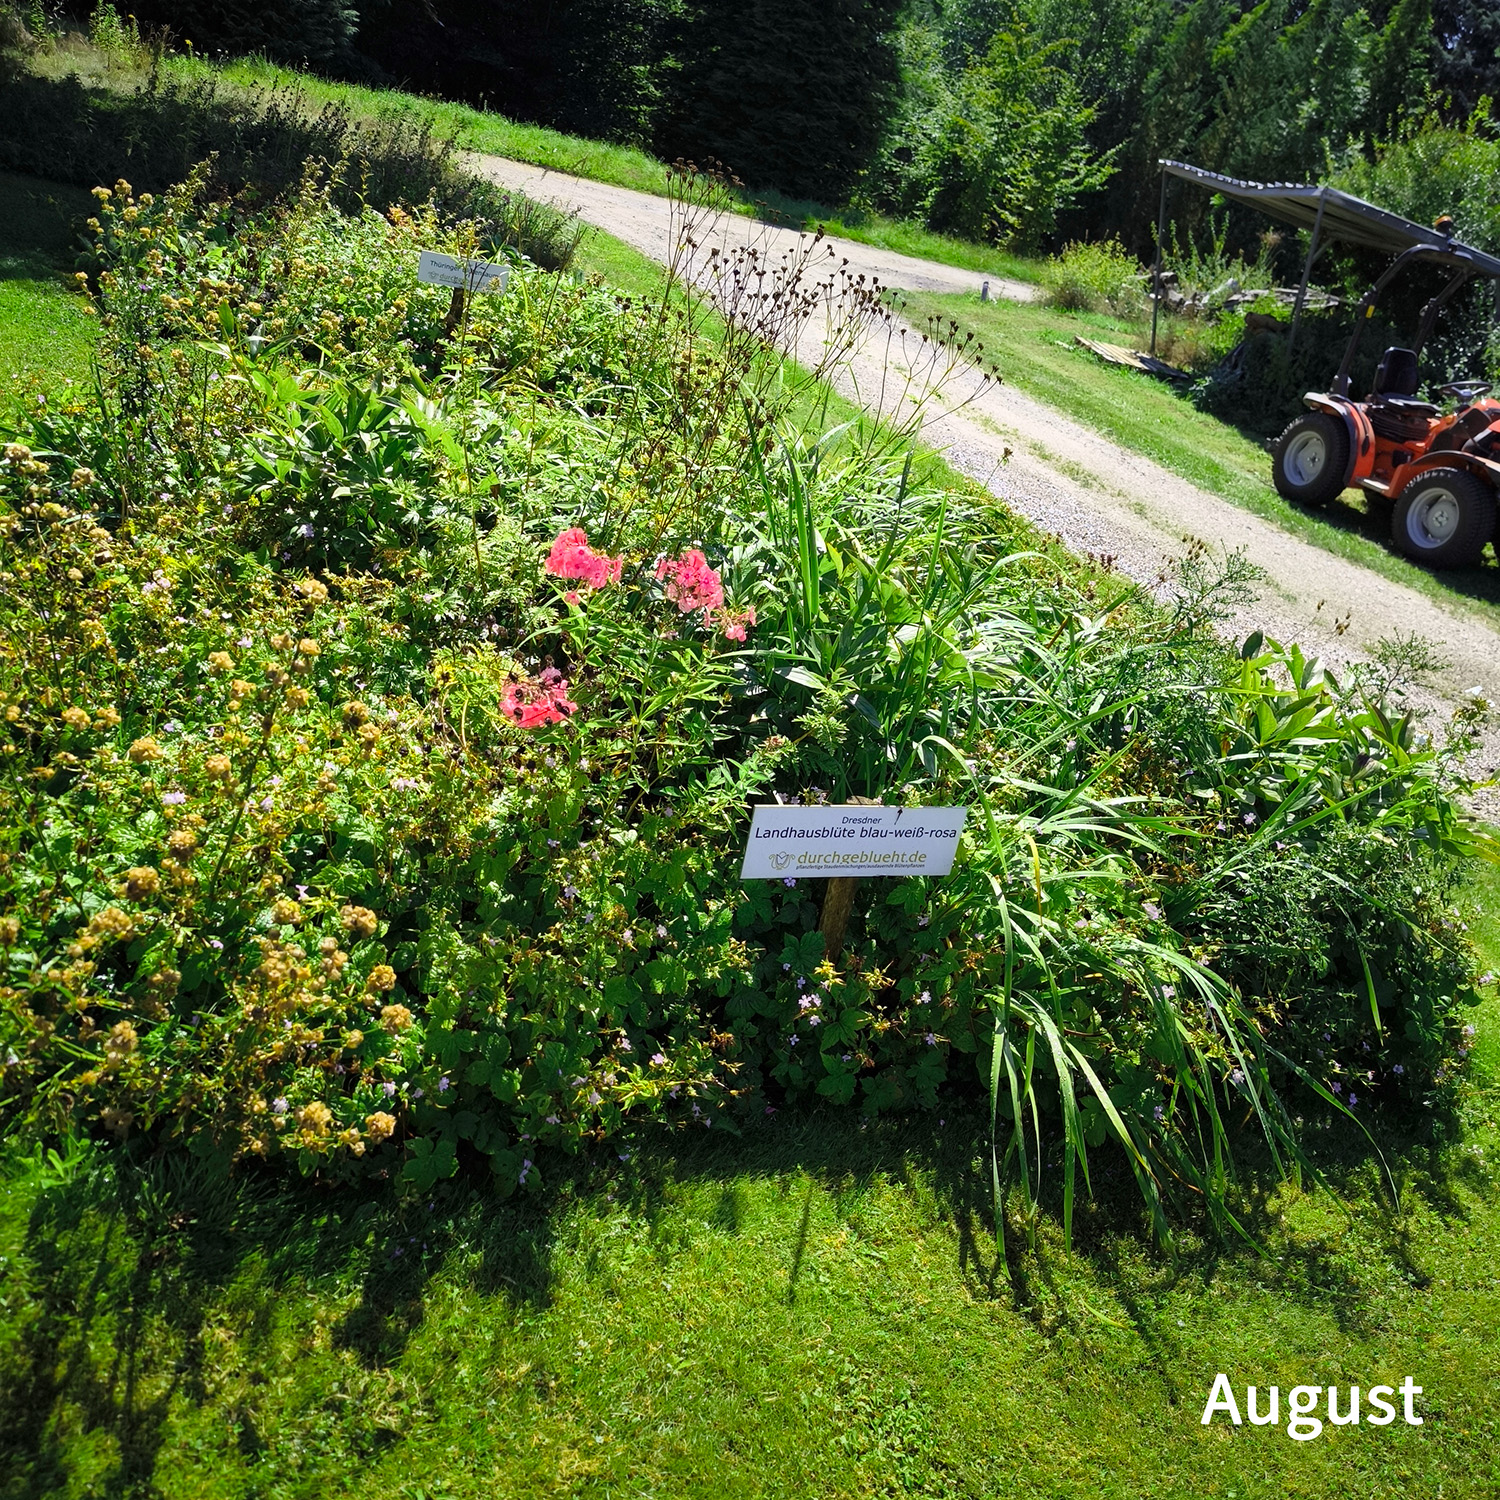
(790, 94)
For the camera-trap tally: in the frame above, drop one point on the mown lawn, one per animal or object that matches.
(43, 327)
(815, 1309)
(1034, 346)
(624, 166)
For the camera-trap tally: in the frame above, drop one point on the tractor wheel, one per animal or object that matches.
(1444, 518)
(1311, 459)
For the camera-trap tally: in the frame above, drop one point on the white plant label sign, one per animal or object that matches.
(434, 269)
(792, 842)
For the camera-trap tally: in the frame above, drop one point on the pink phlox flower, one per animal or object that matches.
(533, 701)
(691, 583)
(572, 557)
(735, 622)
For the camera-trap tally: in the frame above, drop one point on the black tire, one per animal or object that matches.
(1443, 518)
(1310, 459)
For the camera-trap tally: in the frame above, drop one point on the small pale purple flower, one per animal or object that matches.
(595, 1098)
(305, 530)
(174, 799)
(789, 880)
(1152, 910)
(279, 1107)
(1398, 1070)
(932, 1039)
(443, 1084)
(792, 1041)
(1251, 820)
(661, 931)
(1353, 1098)
(658, 1060)
(416, 1093)
(388, 1088)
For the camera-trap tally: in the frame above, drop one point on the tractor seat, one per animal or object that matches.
(1395, 387)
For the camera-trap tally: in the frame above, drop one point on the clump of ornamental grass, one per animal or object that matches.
(383, 698)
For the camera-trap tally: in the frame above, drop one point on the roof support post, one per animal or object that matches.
(1161, 234)
(1312, 255)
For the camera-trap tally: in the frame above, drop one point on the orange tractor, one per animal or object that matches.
(1438, 464)
(1437, 461)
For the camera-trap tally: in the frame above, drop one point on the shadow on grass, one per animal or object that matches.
(124, 1262)
(39, 224)
(262, 142)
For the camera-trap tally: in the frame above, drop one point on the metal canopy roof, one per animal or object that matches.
(1336, 215)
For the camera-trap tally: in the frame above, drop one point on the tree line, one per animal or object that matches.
(1019, 121)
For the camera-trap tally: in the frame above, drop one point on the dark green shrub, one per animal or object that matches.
(1259, 388)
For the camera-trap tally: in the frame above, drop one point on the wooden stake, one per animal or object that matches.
(838, 900)
(455, 311)
(837, 904)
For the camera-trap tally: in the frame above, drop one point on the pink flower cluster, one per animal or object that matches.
(534, 701)
(572, 557)
(691, 583)
(734, 622)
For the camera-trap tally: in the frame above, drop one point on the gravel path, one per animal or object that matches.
(1097, 497)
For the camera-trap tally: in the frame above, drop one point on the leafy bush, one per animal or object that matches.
(1094, 277)
(1259, 386)
(995, 150)
(383, 698)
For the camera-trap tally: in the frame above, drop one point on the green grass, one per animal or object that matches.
(813, 1310)
(43, 327)
(1036, 353)
(624, 166)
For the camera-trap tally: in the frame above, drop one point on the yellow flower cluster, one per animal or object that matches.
(382, 978)
(359, 921)
(120, 1044)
